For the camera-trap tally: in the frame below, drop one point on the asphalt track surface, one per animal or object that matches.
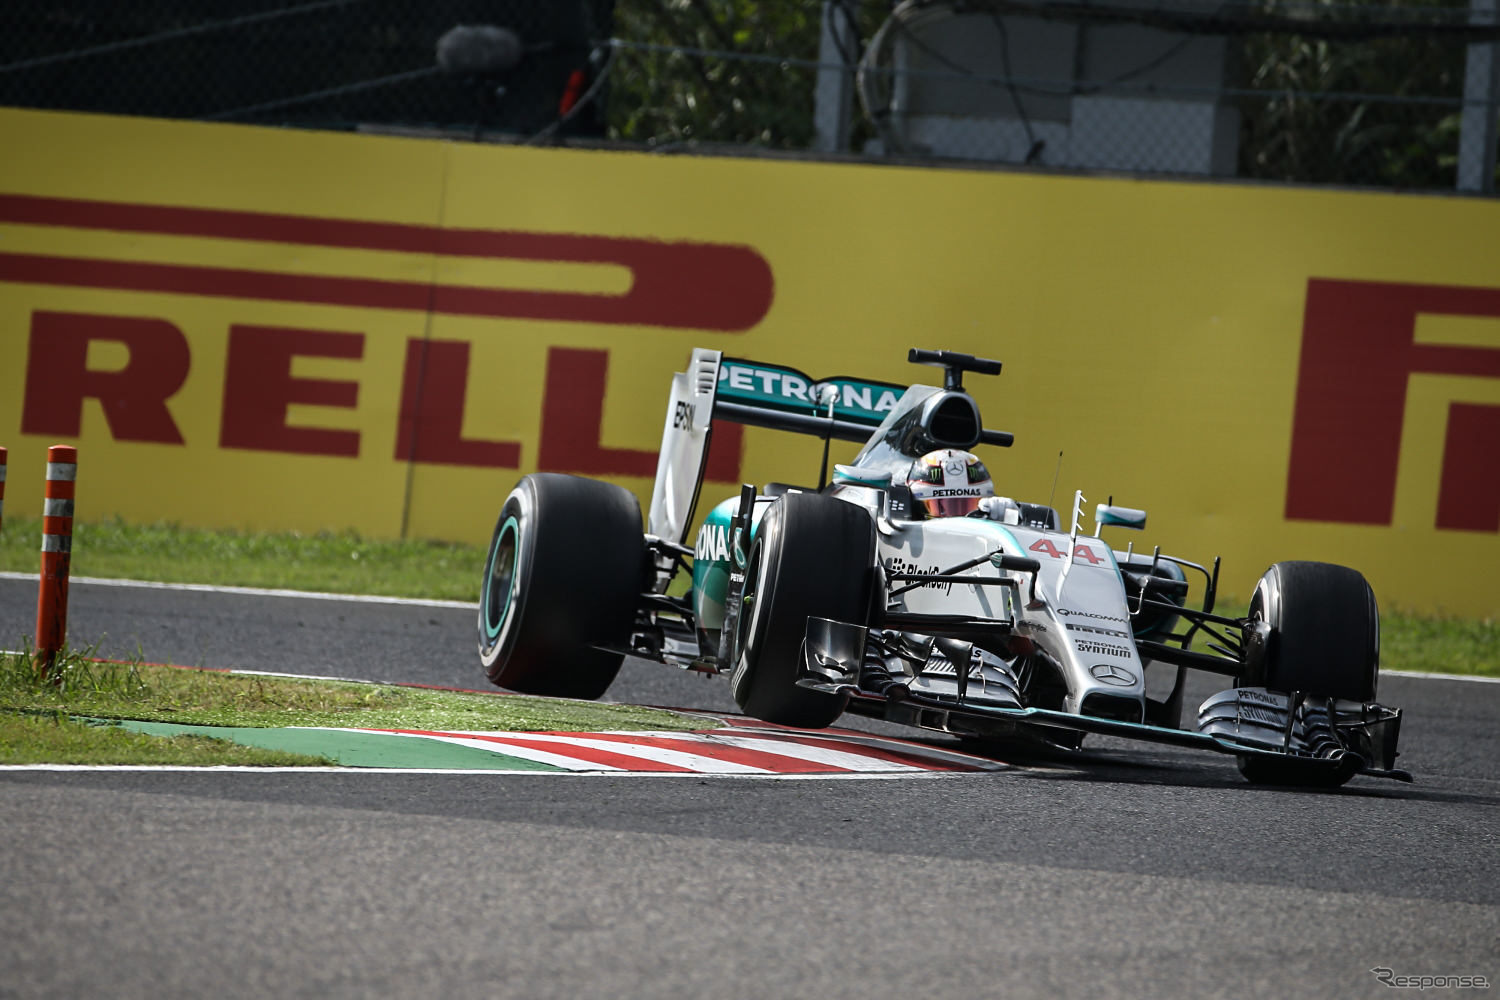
(1131, 871)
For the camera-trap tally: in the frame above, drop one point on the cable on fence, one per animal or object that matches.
(171, 36)
(318, 95)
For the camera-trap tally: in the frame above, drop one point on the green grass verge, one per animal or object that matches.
(39, 717)
(339, 563)
(1415, 643)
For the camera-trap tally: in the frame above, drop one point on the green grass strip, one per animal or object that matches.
(351, 748)
(341, 563)
(38, 724)
(56, 738)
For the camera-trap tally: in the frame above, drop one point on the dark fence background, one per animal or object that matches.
(1365, 95)
(328, 64)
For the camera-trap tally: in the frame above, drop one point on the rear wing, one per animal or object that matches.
(759, 395)
(783, 398)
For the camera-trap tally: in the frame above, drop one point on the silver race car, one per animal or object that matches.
(903, 587)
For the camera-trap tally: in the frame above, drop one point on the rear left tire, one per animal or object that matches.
(564, 573)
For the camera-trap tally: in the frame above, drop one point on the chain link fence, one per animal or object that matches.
(1392, 97)
(327, 64)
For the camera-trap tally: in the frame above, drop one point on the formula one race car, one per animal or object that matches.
(904, 589)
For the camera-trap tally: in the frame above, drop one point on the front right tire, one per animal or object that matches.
(1324, 643)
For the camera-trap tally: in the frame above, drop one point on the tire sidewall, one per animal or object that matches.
(1342, 659)
(749, 634)
(767, 647)
(578, 564)
(497, 639)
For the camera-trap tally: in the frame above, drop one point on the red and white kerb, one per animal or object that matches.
(57, 549)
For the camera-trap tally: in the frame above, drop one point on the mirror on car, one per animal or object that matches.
(1110, 516)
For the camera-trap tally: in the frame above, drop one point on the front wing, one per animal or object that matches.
(1365, 741)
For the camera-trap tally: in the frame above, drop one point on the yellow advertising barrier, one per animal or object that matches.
(272, 329)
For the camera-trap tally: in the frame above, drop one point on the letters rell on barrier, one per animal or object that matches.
(260, 388)
(684, 284)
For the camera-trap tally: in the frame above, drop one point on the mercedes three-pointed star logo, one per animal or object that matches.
(1111, 673)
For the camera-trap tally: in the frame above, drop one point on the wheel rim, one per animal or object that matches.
(500, 579)
(745, 625)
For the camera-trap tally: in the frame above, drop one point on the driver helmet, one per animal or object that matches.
(949, 483)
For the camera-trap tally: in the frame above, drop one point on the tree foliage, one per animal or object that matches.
(1350, 112)
(673, 92)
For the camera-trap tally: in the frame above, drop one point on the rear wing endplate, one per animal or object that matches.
(759, 395)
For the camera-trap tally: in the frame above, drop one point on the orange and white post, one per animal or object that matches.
(57, 555)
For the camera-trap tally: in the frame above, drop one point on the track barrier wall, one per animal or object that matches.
(334, 331)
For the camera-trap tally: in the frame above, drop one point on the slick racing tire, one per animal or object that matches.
(1324, 643)
(813, 556)
(564, 573)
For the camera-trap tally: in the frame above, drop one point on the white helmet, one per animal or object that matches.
(949, 483)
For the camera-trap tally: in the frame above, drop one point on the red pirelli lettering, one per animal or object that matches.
(259, 388)
(134, 397)
(1359, 350)
(679, 283)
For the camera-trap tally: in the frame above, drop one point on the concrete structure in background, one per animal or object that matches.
(1115, 96)
(833, 100)
(1476, 141)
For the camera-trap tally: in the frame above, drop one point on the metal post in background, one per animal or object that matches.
(3, 456)
(833, 97)
(1477, 135)
(57, 555)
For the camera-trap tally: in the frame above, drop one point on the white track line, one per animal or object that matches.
(478, 772)
(208, 588)
(1440, 677)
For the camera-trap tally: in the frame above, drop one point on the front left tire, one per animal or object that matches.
(813, 556)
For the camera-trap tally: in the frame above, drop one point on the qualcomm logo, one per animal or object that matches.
(1088, 614)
